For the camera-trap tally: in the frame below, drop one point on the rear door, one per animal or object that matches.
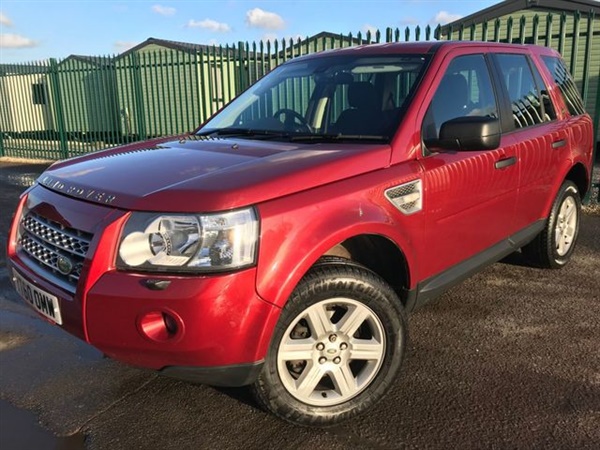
(470, 196)
(540, 138)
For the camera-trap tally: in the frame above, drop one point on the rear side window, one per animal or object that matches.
(525, 98)
(565, 83)
(549, 110)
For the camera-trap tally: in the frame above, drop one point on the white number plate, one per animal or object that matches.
(41, 301)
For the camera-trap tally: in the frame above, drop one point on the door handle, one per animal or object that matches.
(559, 144)
(506, 162)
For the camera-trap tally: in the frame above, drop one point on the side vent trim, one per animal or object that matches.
(407, 197)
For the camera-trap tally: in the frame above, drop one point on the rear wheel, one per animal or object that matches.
(553, 247)
(336, 349)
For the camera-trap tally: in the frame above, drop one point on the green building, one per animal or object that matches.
(168, 87)
(88, 95)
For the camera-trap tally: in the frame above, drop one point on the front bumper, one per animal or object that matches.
(217, 320)
(215, 327)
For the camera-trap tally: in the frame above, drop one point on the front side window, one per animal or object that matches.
(342, 97)
(465, 90)
(527, 109)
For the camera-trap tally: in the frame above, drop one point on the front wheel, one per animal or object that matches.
(553, 247)
(336, 349)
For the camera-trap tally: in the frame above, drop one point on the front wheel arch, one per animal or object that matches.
(380, 255)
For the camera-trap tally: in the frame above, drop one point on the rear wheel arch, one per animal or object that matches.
(553, 246)
(578, 175)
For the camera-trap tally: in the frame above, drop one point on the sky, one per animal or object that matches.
(32, 30)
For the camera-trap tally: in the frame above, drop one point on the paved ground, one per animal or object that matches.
(509, 359)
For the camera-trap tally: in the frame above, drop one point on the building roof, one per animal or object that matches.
(187, 47)
(93, 60)
(329, 35)
(512, 6)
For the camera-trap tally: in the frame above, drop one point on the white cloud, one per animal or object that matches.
(209, 24)
(444, 17)
(259, 18)
(4, 20)
(121, 46)
(164, 10)
(8, 40)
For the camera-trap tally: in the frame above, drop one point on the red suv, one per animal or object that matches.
(282, 243)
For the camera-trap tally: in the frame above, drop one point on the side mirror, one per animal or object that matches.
(470, 134)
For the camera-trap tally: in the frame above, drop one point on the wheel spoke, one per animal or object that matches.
(344, 381)
(352, 320)
(569, 232)
(318, 321)
(296, 349)
(560, 245)
(366, 350)
(569, 212)
(309, 380)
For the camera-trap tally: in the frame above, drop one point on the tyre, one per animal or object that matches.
(553, 247)
(336, 349)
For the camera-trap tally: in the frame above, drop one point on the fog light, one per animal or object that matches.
(159, 326)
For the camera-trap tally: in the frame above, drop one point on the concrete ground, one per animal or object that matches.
(508, 359)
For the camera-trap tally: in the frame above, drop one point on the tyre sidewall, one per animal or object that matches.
(568, 189)
(313, 289)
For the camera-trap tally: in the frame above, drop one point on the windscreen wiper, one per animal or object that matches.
(230, 131)
(338, 137)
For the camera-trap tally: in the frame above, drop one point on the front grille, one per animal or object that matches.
(53, 247)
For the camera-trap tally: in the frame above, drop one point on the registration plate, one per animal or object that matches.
(44, 303)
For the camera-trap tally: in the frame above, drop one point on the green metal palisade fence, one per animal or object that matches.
(58, 109)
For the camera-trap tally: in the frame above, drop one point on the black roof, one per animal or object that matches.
(512, 6)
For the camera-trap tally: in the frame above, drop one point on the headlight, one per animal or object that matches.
(189, 243)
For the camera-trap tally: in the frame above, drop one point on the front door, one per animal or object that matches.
(470, 196)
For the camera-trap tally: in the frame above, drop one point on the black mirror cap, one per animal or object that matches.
(470, 134)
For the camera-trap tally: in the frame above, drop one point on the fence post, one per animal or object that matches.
(575, 43)
(548, 43)
(138, 94)
(58, 108)
(588, 57)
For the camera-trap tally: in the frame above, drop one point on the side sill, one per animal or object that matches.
(225, 376)
(431, 288)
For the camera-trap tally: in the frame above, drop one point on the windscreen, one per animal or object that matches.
(342, 97)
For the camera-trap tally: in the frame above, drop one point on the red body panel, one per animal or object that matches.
(300, 228)
(221, 321)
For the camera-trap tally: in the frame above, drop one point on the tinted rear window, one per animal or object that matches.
(565, 82)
